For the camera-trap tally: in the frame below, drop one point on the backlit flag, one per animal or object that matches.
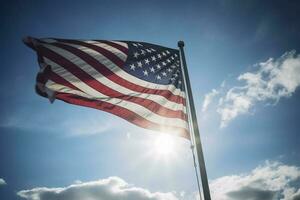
(137, 81)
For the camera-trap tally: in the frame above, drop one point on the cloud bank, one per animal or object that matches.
(271, 81)
(112, 188)
(271, 181)
(2, 181)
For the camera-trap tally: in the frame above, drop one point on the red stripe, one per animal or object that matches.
(115, 45)
(108, 54)
(119, 80)
(121, 112)
(59, 80)
(89, 80)
(49, 74)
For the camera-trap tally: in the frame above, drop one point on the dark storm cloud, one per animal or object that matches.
(297, 197)
(249, 193)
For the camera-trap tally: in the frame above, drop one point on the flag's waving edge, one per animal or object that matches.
(139, 82)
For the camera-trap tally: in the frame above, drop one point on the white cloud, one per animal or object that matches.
(292, 194)
(2, 181)
(271, 181)
(91, 126)
(112, 188)
(71, 125)
(208, 98)
(78, 182)
(273, 79)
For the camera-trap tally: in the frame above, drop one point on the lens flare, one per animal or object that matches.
(164, 145)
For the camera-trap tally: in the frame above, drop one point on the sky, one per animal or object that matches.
(244, 64)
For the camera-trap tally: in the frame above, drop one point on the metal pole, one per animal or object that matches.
(196, 171)
(195, 126)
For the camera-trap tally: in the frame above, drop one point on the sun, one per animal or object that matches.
(163, 145)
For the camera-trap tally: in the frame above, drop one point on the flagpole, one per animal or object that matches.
(195, 127)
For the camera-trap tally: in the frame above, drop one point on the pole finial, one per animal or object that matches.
(180, 43)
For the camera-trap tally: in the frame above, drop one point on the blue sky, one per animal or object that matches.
(56, 145)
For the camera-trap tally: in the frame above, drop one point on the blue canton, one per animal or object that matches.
(155, 64)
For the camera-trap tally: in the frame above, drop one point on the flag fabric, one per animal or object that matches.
(137, 81)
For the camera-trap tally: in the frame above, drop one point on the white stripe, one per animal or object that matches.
(112, 49)
(48, 40)
(50, 85)
(64, 89)
(121, 73)
(120, 43)
(136, 108)
(162, 101)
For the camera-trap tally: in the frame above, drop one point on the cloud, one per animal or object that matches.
(2, 181)
(208, 99)
(71, 125)
(271, 181)
(249, 193)
(92, 126)
(292, 194)
(112, 188)
(271, 81)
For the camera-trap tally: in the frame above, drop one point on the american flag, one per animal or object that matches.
(137, 81)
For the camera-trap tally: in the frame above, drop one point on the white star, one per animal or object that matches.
(153, 58)
(168, 52)
(164, 74)
(173, 66)
(140, 64)
(147, 61)
(152, 69)
(164, 54)
(175, 75)
(169, 70)
(132, 67)
(168, 60)
(159, 56)
(136, 55)
(139, 44)
(143, 52)
(179, 82)
(153, 50)
(158, 77)
(176, 55)
(158, 66)
(134, 44)
(164, 64)
(145, 73)
(172, 57)
(148, 50)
